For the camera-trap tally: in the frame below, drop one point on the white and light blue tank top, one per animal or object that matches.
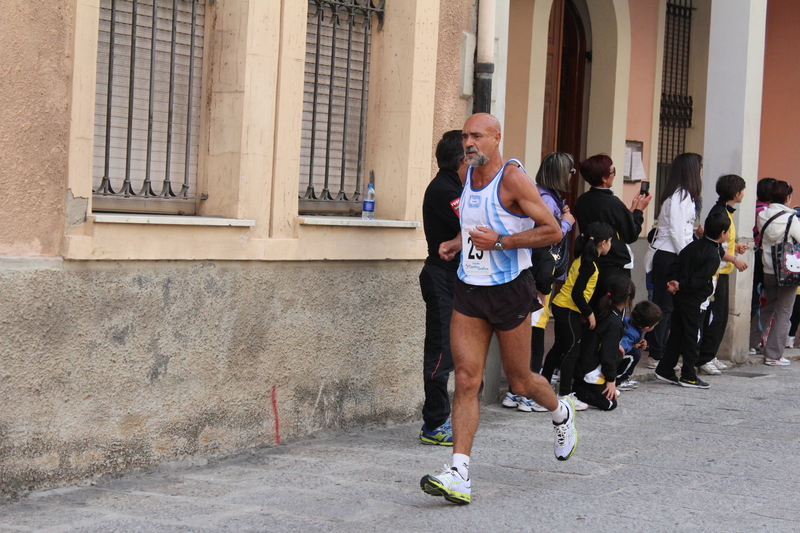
(483, 208)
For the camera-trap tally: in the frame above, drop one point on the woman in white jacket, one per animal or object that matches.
(675, 230)
(772, 223)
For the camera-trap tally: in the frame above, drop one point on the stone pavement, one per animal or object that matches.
(668, 459)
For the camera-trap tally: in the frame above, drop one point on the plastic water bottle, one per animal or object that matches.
(368, 210)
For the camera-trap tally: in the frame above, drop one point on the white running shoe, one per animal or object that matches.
(510, 400)
(449, 484)
(528, 405)
(777, 362)
(719, 364)
(566, 435)
(710, 369)
(789, 341)
(628, 384)
(579, 405)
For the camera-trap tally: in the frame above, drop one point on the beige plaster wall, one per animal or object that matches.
(129, 351)
(641, 89)
(698, 74)
(35, 62)
(150, 361)
(450, 110)
(780, 113)
(524, 77)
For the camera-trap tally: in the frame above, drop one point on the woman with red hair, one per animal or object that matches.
(599, 204)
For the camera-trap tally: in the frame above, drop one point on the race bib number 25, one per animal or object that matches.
(476, 262)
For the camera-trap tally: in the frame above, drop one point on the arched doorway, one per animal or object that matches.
(602, 118)
(562, 128)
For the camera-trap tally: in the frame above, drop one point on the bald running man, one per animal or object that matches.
(502, 217)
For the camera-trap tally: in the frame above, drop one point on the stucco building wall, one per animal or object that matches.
(118, 365)
(450, 110)
(128, 344)
(35, 63)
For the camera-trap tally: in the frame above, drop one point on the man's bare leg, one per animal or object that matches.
(515, 353)
(469, 342)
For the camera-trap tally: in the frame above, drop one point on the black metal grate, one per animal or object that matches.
(676, 102)
(335, 103)
(149, 69)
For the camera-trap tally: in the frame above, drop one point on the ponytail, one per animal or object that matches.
(621, 290)
(586, 243)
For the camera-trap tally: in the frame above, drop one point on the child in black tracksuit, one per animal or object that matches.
(691, 280)
(600, 355)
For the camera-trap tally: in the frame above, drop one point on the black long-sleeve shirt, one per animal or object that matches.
(600, 346)
(600, 205)
(694, 270)
(440, 215)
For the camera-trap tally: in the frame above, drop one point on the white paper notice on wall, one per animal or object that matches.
(628, 163)
(637, 172)
(634, 166)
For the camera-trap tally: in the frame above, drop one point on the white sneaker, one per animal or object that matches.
(579, 405)
(719, 364)
(628, 384)
(789, 341)
(710, 369)
(449, 484)
(528, 405)
(752, 351)
(566, 435)
(777, 362)
(510, 400)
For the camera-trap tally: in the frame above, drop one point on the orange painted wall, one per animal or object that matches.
(644, 33)
(780, 112)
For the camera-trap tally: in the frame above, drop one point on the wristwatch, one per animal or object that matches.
(498, 245)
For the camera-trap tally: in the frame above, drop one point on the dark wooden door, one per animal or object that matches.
(564, 86)
(552, 82)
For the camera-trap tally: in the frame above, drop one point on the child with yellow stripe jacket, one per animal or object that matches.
(571, 310)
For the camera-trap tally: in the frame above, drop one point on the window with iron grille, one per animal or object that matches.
(147, 111)
(676, 103)
(335, 104)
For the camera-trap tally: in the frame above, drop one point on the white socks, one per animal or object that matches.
(461, 463)
(560, 414)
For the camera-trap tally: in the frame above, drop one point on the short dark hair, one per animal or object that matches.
(780, 192)
(716, 223)
(450, 151)
(646, 314)
(763, 188)
(728, 186)
(596, 168)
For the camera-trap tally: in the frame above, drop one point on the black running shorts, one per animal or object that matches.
(503, 306)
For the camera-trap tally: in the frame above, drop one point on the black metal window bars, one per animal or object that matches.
(676, 103)
(335, 103)
(148, 104)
